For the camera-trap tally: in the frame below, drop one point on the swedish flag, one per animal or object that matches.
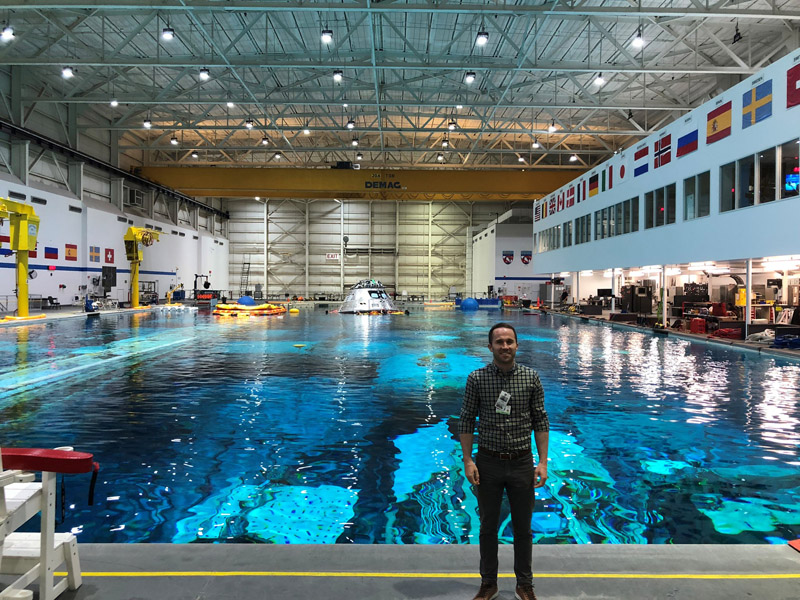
(757, 104)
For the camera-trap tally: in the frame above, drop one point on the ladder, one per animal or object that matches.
(245, 278)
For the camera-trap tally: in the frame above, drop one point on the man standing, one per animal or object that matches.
(508, 401)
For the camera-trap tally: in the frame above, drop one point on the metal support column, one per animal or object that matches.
(369, 240)
(430, 246)
(576, 296)
(20, 151)
(552, 291)
(341, 246)
(308, 239)
(664, 313)
(613, 289)
(75, 178)
(117, 191)
(468, 257)
(266, 246)
(748, 290)
(397, 246)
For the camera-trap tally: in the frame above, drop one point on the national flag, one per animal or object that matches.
(525, 256)
(109, 255)
(578, 194)
(623, 170)
(686, 144)
(70, 252)
(585, 197)
(718, 123)
(552, 209)
(51, 253)
(662, 151)
(593, 185)
(508, 256)
(603, 180)
(94, 253)
(5, 241)
(757, 104)
(34, 253)
(793, 86)
(610, 176)
(571, 196)
(537, 212)
(560, 201)
(640, 157)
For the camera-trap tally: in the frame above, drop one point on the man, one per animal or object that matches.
(508, 401)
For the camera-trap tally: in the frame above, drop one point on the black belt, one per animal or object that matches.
(504, 455)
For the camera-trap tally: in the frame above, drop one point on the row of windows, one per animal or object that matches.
(549, 239)
(659, 207)
(583, 229)
(618, 219)
(772, 174)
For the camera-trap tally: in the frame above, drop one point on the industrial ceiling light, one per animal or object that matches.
(326, 36)
(173, 140)
(351, 124)
(451, 125)
(599, 80)
(8, 33)
(638, 41)
(573, 158)
(147, 123)
(345, 105)
(278, 155)
(482, 39)
(337, 74)
(445, 143)
(195, 154)
(249, 123)
(306, 131)
(359, 156)
(355, 141)
(167, 34)
(469, 77)
(204, 74)
(521, 159)
(114, 103)
(229, 104)
(535, 144)
(440, 157)
(737, 36)
(264, 141)
(257, 198)
(552, 126)
(67, 72)
(459, 106)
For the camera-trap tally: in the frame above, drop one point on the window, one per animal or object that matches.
(727, 187)
(790, 170)
(550, 239)
(695, 196)
(746, 188)
(659, 206)
(567, 234)
(670, 199)
(649, 221)
(766, 175)
(583, 229)
(659, 211)
(635, 214)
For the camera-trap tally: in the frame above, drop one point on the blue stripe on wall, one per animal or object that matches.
(522, 279)
(37, 267)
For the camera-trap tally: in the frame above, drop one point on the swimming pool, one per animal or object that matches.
(339, 428)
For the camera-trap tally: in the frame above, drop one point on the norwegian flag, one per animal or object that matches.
(571, 196)
(662, 151)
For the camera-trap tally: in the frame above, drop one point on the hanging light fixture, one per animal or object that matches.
(355, 141)
(249, 123)
(8, 33)
(337, 74)
(67, 72)
(451, 125)
(535, 144)
(114, 103)
(552, 127)
(469, 77)
(359, 156)
(440, 157)
(737, 36)
(326, 36)
(573, 158)
(264, 141)
(459, 106)
(167, 34)
(173, 140)
(638, 41)
(229, 104)
(351, 124)
(306, 130)
(599, 80)
(521, 159)
(195, 154)
(147, 123)
(445, 143)
(205, 74)
(482, 39)
(278, 155)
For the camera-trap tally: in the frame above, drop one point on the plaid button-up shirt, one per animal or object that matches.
(499, 432)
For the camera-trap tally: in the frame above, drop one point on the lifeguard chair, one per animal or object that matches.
(34, 557)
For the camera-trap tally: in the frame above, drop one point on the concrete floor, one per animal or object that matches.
(240, 571)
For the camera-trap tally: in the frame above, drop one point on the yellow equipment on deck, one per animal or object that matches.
(136, 239)
(24, 230)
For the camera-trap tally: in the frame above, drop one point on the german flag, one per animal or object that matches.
(718, 125)
(593, 186)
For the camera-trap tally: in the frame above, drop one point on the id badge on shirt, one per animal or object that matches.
(503, 404)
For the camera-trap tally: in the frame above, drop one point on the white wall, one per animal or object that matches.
(174, 259)
(483, 260)
(763, 230)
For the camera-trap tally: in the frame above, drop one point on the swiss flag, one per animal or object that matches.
(109, 254)
(793, 86)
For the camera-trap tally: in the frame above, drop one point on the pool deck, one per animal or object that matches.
(387, 572)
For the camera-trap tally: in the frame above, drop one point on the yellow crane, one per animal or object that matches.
(136, 239)
(24, 229)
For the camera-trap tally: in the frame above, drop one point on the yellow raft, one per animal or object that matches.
(242, 310)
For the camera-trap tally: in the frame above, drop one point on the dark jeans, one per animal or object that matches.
(516, 478)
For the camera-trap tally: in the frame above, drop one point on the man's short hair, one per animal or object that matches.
(502, 326)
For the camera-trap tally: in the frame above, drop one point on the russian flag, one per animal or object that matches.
(686, 144)
(641, 155)
(51, 253)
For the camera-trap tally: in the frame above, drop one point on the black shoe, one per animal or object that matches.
(524, 592)
(487, 591)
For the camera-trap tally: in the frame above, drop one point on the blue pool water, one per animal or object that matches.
(213, 431)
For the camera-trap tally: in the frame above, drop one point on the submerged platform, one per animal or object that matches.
(384, 572)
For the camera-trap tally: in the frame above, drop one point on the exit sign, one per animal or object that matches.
(332, 256)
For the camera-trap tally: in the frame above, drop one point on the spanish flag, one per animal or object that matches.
(718, 124)
(70, 252)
